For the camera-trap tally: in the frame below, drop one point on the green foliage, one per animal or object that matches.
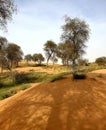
(82, 62)
(50, 49)
(13, 54)
(31, 77)
(1, 84)
(38, 57)
(11, 90)
(28, 57)
(101, 60)
(21, 78)
(7, 8)
(8, 94)
(24, 86)
(40, 76)
(59, 76)
(91, 67)
(75, 32)
(64, 52)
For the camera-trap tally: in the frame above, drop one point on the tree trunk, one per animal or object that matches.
(48, 60)
(1, 68)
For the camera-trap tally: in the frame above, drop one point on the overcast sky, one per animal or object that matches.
(40, 20)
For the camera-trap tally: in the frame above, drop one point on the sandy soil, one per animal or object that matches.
(102, 71)
(66, 104)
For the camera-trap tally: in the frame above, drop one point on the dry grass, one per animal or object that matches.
(48, 69)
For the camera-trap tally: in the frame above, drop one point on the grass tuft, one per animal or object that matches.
(8, 94)
(59, 76)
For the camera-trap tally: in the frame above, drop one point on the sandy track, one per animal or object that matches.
(63, 105)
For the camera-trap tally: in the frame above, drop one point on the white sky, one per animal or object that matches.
(40, 20)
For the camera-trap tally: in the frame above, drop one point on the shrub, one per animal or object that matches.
(58, 76)
(21, 78)
(79, 76)
(1, 84)
(24, 87)
(8, 94)
(12, 92)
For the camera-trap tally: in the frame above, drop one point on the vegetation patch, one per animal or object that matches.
(79, 75)
(59, 76)
(21, 77)
(8, 94)
(24, 86)
(1, 84)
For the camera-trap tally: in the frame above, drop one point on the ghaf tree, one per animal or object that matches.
(75, 32)
(50, 49)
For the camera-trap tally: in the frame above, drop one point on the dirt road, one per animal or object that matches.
(66, 104)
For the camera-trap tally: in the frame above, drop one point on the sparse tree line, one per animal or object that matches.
(69, 50)
(72, 47)
(75, 33)
(37, 57)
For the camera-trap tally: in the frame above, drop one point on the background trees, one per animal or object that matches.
(3, 45)
(10, 54)
(101, 60)
(38, 57)
(83, 62)
(75, 32)
(64, 52)
(50, 49)
(28, 57)
(13, 54)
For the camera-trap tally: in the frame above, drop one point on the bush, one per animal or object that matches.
(59, 76)
(79, 76)
(8, 94)
(12, 92)
(1, 84)
(25, 86)
(20, 78)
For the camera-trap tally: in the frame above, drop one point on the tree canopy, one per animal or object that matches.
(28, 57)
(75, 32)
(50, 49)
(101, 60)
(13, 53)
(7, 8)
(3, 43)
(64, 52)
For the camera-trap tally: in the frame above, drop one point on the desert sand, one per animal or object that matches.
(65, 104)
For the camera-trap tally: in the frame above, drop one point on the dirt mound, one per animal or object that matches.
(66, 104)
(101, 71)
